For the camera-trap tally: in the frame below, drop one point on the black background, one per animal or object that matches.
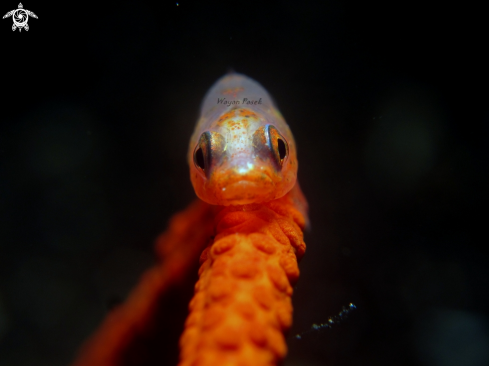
(388, 105)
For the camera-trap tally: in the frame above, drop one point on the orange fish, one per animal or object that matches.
(248, 220)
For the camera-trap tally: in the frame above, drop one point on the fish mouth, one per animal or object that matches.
(246, 191)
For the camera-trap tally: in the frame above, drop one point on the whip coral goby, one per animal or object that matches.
(248, 220)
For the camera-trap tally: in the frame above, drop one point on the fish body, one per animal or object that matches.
(242, 151)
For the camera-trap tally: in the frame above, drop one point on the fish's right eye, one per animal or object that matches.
(199, 158)
(202, 152)
(209, 151)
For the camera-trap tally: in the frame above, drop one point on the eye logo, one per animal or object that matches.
(20, 17)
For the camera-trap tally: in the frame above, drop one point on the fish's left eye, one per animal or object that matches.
(282, 149)
(268, 143)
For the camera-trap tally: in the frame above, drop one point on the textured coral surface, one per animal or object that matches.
(242, 302)
(242, 305)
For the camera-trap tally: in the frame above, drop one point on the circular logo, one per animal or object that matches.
(20, 17)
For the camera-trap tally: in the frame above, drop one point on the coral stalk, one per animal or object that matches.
(242, 302)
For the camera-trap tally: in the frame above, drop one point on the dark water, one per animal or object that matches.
(389, 110)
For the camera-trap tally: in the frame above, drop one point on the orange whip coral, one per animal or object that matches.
(249, 219)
